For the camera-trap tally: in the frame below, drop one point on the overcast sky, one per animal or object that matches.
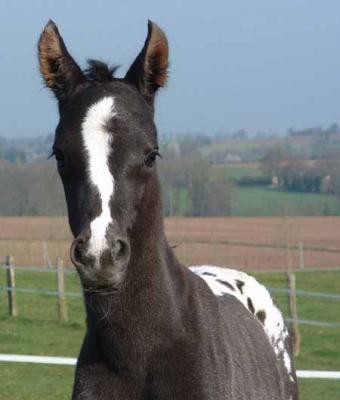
(260, 65)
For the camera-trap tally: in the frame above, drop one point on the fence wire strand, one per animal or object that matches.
(300, 293)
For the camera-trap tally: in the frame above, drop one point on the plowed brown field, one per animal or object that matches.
(247, 243)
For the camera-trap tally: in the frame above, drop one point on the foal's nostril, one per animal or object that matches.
(77, 250)
(121, 250)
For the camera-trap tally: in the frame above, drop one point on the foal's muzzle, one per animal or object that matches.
(102, 268)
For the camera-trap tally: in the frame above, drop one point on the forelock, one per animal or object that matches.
(100, 72)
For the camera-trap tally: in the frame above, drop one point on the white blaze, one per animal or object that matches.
(97, 142)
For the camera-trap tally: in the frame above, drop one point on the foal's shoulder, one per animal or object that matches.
(256, 299)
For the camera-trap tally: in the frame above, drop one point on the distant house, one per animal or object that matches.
(275, 181)
(232, 159)
(326, 184)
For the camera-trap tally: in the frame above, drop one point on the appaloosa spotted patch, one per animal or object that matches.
(256, 298)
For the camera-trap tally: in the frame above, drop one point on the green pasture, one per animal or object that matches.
(257, 201)
(260, 201)
(267, 202)
(236, 173)
(36, 330)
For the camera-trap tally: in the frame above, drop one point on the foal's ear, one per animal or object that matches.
(149, 70)
(60, 72)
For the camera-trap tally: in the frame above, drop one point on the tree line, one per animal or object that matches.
(189, 186)
(192, 185)
(293, 173)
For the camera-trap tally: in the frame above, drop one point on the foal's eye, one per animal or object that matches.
(150, 158)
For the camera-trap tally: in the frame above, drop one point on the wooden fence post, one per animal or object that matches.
(12, 298)
(62, 305)
(292, 307)
(301, 256)
(293, 312)
(46, 257)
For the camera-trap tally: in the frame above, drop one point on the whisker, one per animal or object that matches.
(100, 292)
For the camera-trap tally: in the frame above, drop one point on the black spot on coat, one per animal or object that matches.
(261, 315)
(208, 274)
(250, 305)
(227, 284)
(239, 285)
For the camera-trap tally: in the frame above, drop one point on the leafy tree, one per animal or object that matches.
(190, 188)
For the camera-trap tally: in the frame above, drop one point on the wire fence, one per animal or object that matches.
(39, 291)
(300, 293)
(192, 249)
(61, 295)
(274, 290)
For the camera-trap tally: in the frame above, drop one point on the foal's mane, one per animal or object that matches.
(100, 72)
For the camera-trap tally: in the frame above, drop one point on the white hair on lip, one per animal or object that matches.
(97, 142)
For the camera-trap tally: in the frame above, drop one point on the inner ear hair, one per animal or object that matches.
(58, 69)
(157, 57)
(149, 71)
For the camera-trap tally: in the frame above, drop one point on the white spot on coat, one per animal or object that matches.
(274, 325)
(97, 142)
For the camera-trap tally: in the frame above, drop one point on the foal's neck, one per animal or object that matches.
(147, 275)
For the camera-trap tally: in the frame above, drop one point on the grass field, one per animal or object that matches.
(37, 331)
(249, 201)
(265, 201)
(247, 243)
(237, 171)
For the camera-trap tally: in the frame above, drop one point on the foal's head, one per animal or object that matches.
(105, 147)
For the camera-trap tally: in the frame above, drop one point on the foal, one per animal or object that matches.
(155, 330)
